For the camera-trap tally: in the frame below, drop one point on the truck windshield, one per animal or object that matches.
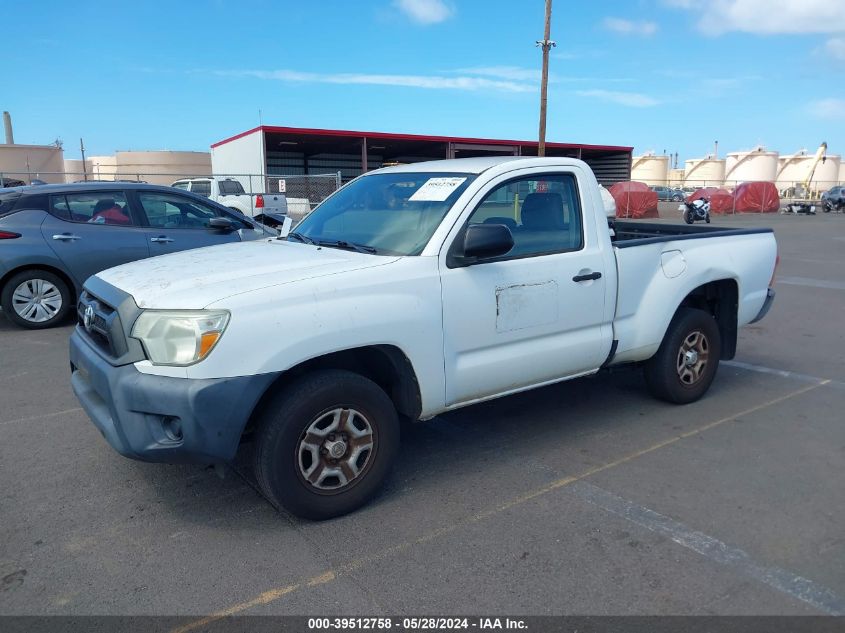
(391, 214)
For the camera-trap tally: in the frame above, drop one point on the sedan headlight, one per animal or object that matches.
(179, 337)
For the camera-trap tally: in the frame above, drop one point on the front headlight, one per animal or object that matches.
(179, 337)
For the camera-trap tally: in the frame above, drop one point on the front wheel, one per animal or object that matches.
(36, 299)
(685, 364)
(688, 217)
(325, 444)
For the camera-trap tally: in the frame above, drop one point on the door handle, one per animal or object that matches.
(587, 277)
(161, 239)
(66, 237)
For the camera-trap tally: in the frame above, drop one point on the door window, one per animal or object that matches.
(100, 207)
(543, 214)
(168, 211)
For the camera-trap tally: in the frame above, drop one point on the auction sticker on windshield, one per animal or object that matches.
(436, 189)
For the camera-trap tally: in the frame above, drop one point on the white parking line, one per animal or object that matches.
(798, 587)
(813, 380)
(813, 283)
(41, 417)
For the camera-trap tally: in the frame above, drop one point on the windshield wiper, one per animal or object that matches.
(361, 248)
(302, 238)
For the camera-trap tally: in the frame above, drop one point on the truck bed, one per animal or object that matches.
(635, 233)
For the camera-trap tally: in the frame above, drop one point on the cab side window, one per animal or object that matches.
(543, 214)
(101, 207)
(201, 188)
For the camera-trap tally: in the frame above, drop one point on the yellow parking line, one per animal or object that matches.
(330, 575)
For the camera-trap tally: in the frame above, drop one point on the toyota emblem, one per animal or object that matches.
(88, 317)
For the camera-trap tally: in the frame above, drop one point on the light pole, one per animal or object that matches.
(545, 44)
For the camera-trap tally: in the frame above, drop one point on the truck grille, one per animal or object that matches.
(101, 325)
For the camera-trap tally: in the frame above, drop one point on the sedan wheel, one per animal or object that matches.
(36, 299)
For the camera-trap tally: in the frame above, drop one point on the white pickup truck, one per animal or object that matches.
(411, 291)
(230, 193)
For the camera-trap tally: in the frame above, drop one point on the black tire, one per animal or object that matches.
(282, 447)
(667, 374)
(54, 310)
(688, 217)
(707, 218)
(677, 198)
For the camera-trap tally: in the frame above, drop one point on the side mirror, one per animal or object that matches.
(487, 240)
(221, 224)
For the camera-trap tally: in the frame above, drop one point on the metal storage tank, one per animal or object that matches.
(650, 169)
(794, 168)
(28, 162)
(75, 169)
(704, 172)
(156, 167)
(842, 173)
(676, 177)
(758, 164)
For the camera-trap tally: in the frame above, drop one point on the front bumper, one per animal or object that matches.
(163, 419)
(770, 298)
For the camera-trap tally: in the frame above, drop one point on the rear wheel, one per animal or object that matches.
(325, 444)
(36, 299)
(685, 364)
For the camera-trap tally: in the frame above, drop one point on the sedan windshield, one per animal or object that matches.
(390, 214)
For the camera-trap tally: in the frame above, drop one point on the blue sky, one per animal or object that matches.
(670, 75)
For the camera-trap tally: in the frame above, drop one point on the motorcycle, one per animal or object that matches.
(698, 209)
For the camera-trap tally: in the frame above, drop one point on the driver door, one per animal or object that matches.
(541, 312)
(178, 223)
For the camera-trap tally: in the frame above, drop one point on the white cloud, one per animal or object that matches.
(631, 99)
(827, 108)
(410, 81)
(766, 16)
(515, 73)
(424, 11)
(835, 48)
(630, 27)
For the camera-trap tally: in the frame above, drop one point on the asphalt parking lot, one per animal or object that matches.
(586, 497)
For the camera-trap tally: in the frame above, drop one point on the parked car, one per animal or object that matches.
(834, 199)
(413, 290)
(230, 193)
(53, 237)
(11, 182)
(668, 193)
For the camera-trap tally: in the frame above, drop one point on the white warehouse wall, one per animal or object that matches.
(239, 157)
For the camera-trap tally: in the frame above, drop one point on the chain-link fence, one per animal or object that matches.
(303, 193)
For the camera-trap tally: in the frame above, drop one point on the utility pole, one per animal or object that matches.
(84, 169)
(545, 44)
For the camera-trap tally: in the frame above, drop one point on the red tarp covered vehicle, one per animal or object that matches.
(721, 200)
(634, 200)
(756, 197)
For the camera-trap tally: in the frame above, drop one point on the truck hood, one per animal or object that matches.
(196, 278)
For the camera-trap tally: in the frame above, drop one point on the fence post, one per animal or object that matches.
(337, 182)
